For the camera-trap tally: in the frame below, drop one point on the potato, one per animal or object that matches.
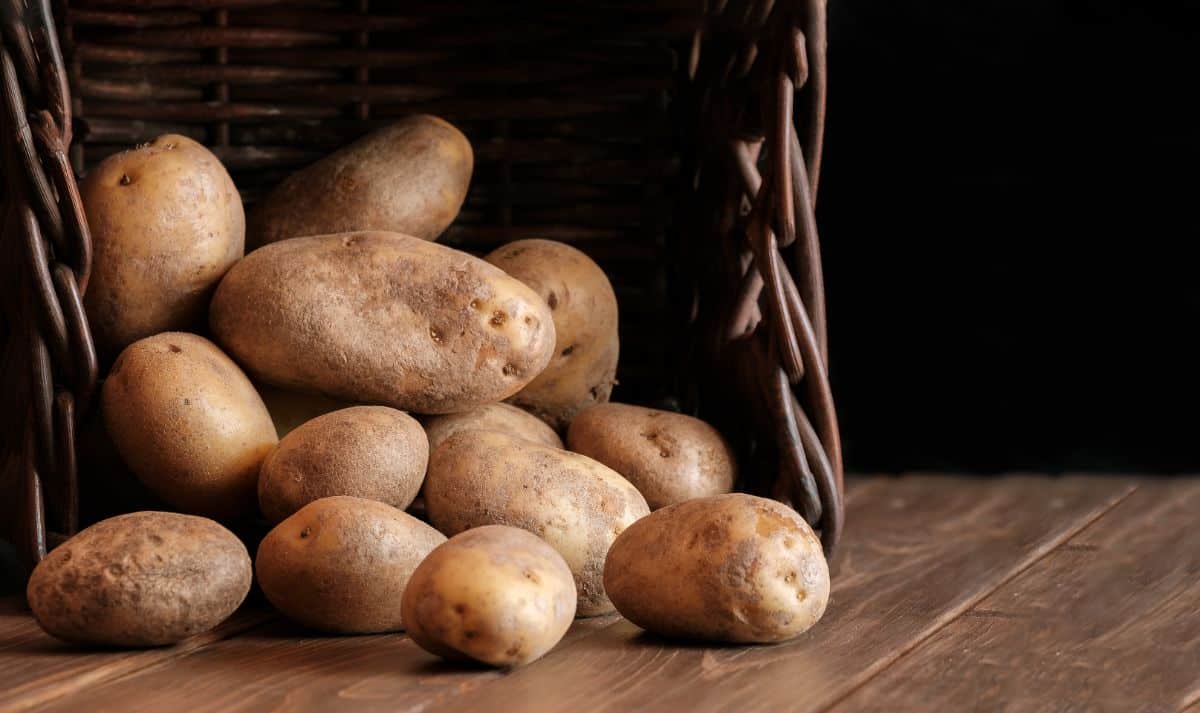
(382, 318)
(581, 299)
(667, 456)
(371, 452)
(735, 568)
(291, 409)
(495, 594)
(166, 223)
(410, 177)
(141, 579)
(492, 417)
(340, 564)
(576, 504)
(188, 423)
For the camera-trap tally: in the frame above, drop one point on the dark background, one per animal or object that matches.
(1009, 216)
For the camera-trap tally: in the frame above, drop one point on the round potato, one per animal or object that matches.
(495, 594)
(372, 452)
(382, 318)
(584, 367)
(667, 456)
(341, 564)
(410, 177)
(166, 223)
(188, 423)
(492, 417)
(735, 568)
(291, 409)
(577, 505)
(140, 579)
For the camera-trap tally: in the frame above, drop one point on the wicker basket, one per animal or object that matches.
(678, 145)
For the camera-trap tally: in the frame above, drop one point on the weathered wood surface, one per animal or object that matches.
(951, 593)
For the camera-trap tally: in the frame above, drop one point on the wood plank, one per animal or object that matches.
(916, 554)
(284, 667)
(1107, 622)
(36, 668)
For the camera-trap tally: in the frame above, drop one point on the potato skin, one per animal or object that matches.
(382, 318)
(734, 568)
(166, 223)
(492, 417)
(188, 423)
(140, 579)
(667, 456)
(495, 594)
(577, 505)
(341, 564)
(410, 177)
(584, 367)
(372, 452)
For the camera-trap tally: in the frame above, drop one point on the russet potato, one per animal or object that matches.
(140, 579)
(495, 594)
(371, 452)
(584, 367)
(735, 568)
(669, 457)
(166, 223)
(341, 564)
(382, 318)
(188, 423)
(410, 177)
(577, 505)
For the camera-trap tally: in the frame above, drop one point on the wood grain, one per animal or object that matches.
(283, 667)
(918, 551)
(1110, 621)
(36, 668)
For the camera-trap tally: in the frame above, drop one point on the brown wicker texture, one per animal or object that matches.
(668, 140)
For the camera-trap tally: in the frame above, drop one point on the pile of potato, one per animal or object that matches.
(397, 371)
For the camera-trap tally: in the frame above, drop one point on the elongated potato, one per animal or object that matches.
(669, 457)
(735, 568)
(341, 564)
(579, 506)
(492, 417)
(141, 579)
(383, 318)
(584, 306)
(495, 594)
(410, 177)
(188, 423)
(371, 452)
(166, 223)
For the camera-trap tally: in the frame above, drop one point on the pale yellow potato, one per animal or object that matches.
(188, 423)
(577, 505)
(140, 579)
(735, 568)
(291, 409)
(166, 223)
(584, 367)
(382, 318)
(492, 417)
(373, 452)
(667, 456)
(341, 564)
(410, 177)
(495, 594)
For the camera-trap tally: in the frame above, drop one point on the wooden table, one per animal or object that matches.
(1022, 593)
